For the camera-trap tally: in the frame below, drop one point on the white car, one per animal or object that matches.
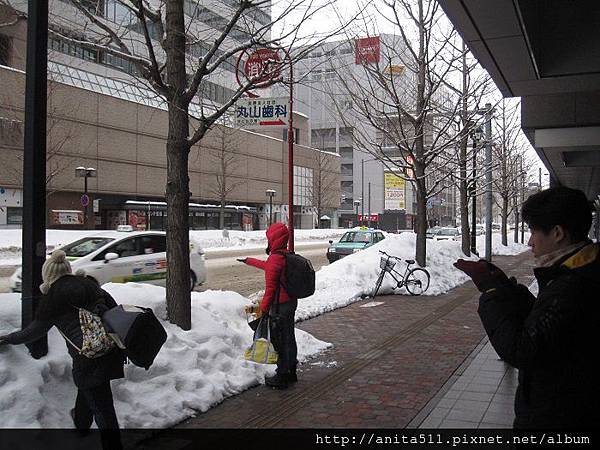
(447, 234)
(134, 257)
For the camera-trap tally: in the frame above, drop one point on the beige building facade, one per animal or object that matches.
(125, 141)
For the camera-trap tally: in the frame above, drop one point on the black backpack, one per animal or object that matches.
(299, 276)
(137, 331)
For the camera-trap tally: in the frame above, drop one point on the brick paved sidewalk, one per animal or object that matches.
(387, 363)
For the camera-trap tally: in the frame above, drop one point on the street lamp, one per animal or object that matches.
(270, 193)
(476, 135)
(85, 173)
(356, 205)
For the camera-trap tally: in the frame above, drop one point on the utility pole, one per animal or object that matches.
(369, 211)
(362, 188)
(488, 179)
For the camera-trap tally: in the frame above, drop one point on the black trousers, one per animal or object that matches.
(96, 404)
(284, 339)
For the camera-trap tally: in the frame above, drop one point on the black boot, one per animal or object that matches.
(81, 429)
(277, 381)
(292, 377)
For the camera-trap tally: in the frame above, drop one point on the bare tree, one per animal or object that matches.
(174, 47)
(325, 189)
(510, 154)
(227, 162)
(403, 113)
(475, 85)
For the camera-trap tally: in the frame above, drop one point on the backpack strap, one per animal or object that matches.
(68, 340)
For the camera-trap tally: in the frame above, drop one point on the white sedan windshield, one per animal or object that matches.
(85, 246)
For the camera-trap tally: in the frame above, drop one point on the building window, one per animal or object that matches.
(296, 135)
(5, 44)
(303, 186)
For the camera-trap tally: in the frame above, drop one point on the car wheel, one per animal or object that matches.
(192, 280)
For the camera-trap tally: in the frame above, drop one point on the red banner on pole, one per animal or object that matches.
(264, 62)
(367, 50)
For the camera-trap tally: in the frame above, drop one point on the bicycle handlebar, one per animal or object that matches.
(390, 256)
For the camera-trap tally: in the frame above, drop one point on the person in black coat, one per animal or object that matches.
(551, 339)
(64, 293)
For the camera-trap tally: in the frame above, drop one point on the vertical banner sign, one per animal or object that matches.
(367, 50)
(394, 191)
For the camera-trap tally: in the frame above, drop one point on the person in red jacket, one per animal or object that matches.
(285, 339)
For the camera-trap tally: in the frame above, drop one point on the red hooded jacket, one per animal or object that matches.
(274, 266)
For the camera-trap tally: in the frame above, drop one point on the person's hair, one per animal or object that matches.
(559, 206)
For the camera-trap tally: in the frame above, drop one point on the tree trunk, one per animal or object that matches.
(222, 216)
(504, 215)
(421, 244)
(178, 183)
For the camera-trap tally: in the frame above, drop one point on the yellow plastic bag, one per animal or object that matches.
(261, 351)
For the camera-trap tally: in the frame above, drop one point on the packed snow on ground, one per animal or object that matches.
(195, 369)
(10, 240)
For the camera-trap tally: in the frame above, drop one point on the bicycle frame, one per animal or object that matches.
(393, 272)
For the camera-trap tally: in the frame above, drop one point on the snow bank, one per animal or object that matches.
(194, 371)
(353, 276)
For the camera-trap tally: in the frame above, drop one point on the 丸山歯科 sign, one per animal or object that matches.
(262, 112)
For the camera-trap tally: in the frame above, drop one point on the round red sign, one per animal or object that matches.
(264, 63)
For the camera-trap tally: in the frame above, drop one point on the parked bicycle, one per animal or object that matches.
(416, 281)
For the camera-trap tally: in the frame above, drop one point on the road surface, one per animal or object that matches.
(225, 273)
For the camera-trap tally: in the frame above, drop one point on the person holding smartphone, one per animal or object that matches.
(552, 339)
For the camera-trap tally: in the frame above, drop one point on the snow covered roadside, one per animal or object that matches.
(343, 282)
(194, 371)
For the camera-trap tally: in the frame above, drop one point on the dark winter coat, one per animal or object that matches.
(274, 266)
(552, 340)
(56, 308)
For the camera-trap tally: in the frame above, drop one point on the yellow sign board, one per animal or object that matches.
(395, 190)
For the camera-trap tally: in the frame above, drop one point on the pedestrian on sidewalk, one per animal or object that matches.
(279, 305)
(64, 293)
(551, 339)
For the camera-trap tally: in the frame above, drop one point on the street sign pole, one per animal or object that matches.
(291, 159)
(257, 65)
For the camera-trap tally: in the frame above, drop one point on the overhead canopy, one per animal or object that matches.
(548, 53)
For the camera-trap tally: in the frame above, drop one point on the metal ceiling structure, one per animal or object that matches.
(548, 53)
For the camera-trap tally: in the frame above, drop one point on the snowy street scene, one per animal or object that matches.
(321, 223)
(213, 350)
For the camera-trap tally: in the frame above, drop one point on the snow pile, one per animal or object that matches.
(498, 249)
(353, 276)
(194, 371)
(214, 239)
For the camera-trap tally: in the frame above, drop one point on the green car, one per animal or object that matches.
(353, 241)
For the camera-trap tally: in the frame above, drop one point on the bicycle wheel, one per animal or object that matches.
(417, 281)
(378, 284)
